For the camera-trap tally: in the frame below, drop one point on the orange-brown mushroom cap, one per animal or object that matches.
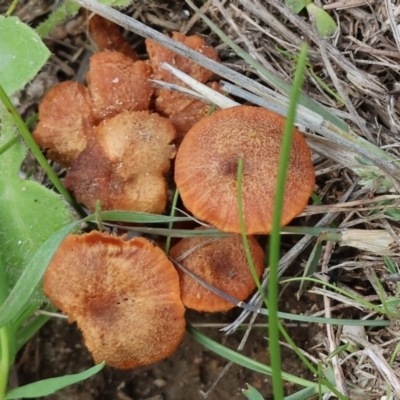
(66, 121)
(117, 84)
(182, 109)
(124, 296)
(107, 36)
(125, 166)
(221, 263)
(207, 162)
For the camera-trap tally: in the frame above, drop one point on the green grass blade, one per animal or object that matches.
(171, 223)
(6, 336)
(139, 217)
(274, 254)
(46, 387)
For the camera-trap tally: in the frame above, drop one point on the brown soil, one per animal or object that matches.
(58, 350)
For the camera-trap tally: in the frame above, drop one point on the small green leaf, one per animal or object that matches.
(67, 9)
(22, 54)
(326, 26)
(52, 385)
(252, 393)
(297, 5)
(304, 394)
(116, 3)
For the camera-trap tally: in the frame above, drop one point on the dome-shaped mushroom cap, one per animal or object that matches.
(221, 263)
(207, 161)
(124, 167)
(66, 121)
(124, 296)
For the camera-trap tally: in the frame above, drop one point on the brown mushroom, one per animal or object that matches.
(66, 121)
(124, 296)
(221, 263)
(125, 166)
(117, 84)
(108, 37)
(207, 162)
(182, 109)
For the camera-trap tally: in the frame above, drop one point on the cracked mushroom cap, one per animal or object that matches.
(124, 296)
(66, 121)
(221, 263)
(116, 83)
(207, 162)
(125, 166)
(182, 109)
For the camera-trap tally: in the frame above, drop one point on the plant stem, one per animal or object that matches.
(5, 345)
(171, 224)
(276, 225)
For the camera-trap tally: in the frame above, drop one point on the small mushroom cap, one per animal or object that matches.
(117, 84)
(207, 162)
(124, 296)
(124, 166)
(221, 263)
(108, 37)
(66, 121)
(182, 109)
(187, 112)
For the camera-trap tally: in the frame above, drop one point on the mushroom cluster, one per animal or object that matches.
(117, 137)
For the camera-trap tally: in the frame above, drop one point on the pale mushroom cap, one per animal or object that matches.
(221, 263)
(125, 166)
(124, 296)
(207, 162)
(66, 121)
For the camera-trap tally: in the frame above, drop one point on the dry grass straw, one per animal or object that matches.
(356, 164)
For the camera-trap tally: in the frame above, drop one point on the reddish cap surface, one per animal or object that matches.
(124, 296)
(66, 121)
(117, 84)
(182, 109)
(107, 36)
(124, 166)
(221, 263)
(207, 162)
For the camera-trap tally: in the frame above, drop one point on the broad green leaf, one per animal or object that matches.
(31, 276)
(52, 385)
(326, 26)
(29, 213)
(22, 54)
(252, 393)
(297, 5)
